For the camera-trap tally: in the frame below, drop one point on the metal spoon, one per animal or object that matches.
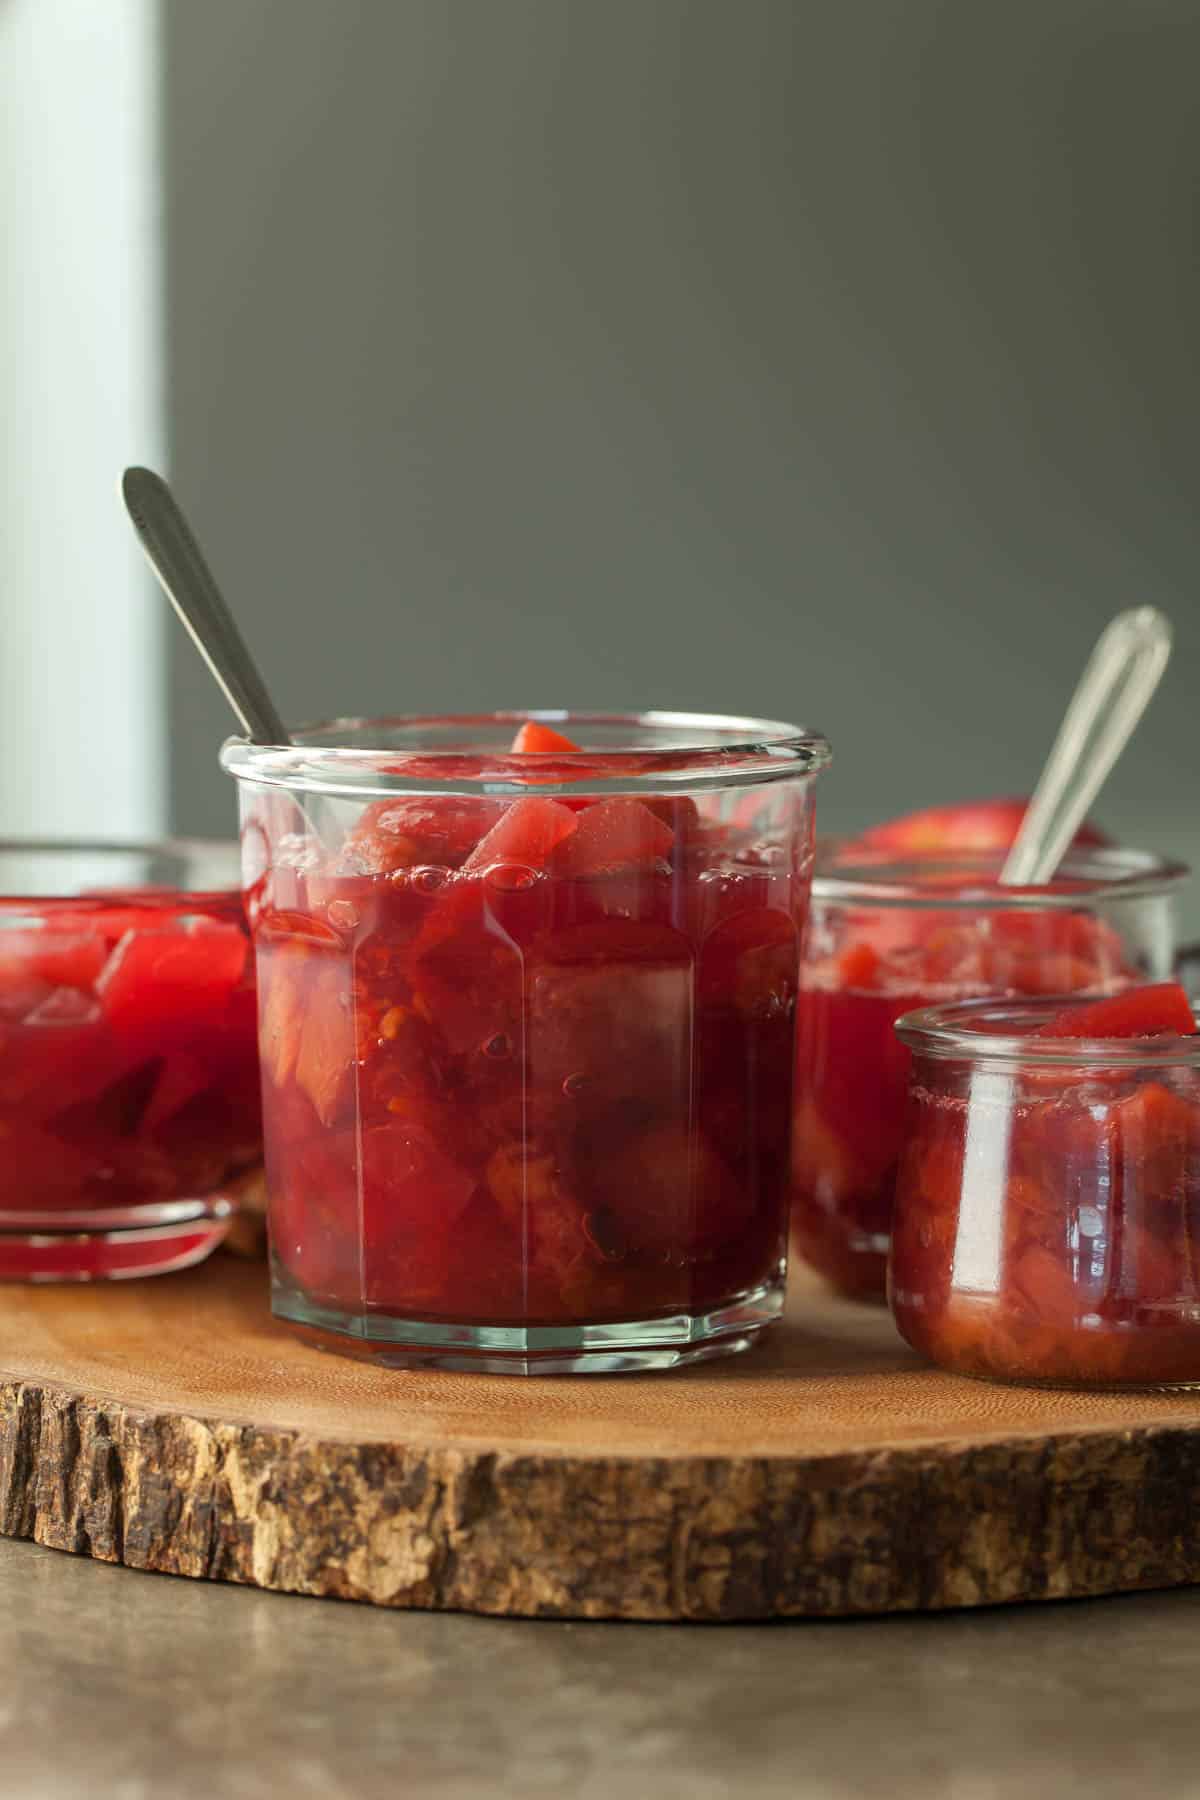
(1114, 691)
(176, 558)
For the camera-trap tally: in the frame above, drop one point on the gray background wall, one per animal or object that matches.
(836, 362)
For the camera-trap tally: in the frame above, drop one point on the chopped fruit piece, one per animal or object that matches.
(859, 966)
(679, 813)
(466, 976)
(1153, 1119)
(1160, 1009)
(408, 833)
(295, 928)
(667, 1187)
(325, 1053)
(152, 976)
(970, 825)
(608, 1015)
(536, 739)
(753, 960)
(117, 1111)
(529, 1188)
(613, 834)
(59, 958)
(180, 1078)
(525, 835)
(282, 1001)
(413, 1197)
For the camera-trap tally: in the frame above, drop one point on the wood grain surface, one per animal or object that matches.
(172, 1425)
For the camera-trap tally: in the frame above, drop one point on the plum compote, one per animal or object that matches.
(1047, 1221)
(527, 1056)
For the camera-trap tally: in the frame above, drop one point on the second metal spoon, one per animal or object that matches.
(1114, 691)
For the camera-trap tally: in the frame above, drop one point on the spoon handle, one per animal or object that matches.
(177, 560)
(1116, 686)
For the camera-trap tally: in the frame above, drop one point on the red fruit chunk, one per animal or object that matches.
(288, 926)
(46, 1065)
(970, 825)
(859, 966)
(751, 963)
(664, 1188)
(412, 1198)
(678, 812)
(61, 959)
(609, 1016)
(613, 834)
(530, 1190)
(408, 832)
(469, 989)
(1161, 1009)
(155, 977)
(526, 833)
(182, 1076)
(325, 1050)
(536, 739)
(1043, 1282)
(118, 1110)
(1153, 1120)
(409, 1186)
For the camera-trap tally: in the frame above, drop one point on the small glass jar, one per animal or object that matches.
(128, 1066)
(887, 936)
(1047, 1222)
(527, 1031)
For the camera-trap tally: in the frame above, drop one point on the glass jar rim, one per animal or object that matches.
(136, 846)
(882, 879)
(183, 849)
(697, 751)
(989, 1031)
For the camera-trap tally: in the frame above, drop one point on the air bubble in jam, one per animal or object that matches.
(576, 1084)
(429, 879)
(344, 914)
(499, 1046)
(511, 878)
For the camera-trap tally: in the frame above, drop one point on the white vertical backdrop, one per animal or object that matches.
(81, 693)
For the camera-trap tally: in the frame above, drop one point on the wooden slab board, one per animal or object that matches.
(170, 1424)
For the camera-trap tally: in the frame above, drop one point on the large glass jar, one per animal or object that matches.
(527, 1027)
(129, 1093)
(1047, 1222)
(886, 937)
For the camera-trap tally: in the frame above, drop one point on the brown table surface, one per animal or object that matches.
(122, 1686)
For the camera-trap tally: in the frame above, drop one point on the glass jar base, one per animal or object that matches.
(1063, 1385)
(623, 1347)
(111, 1243)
